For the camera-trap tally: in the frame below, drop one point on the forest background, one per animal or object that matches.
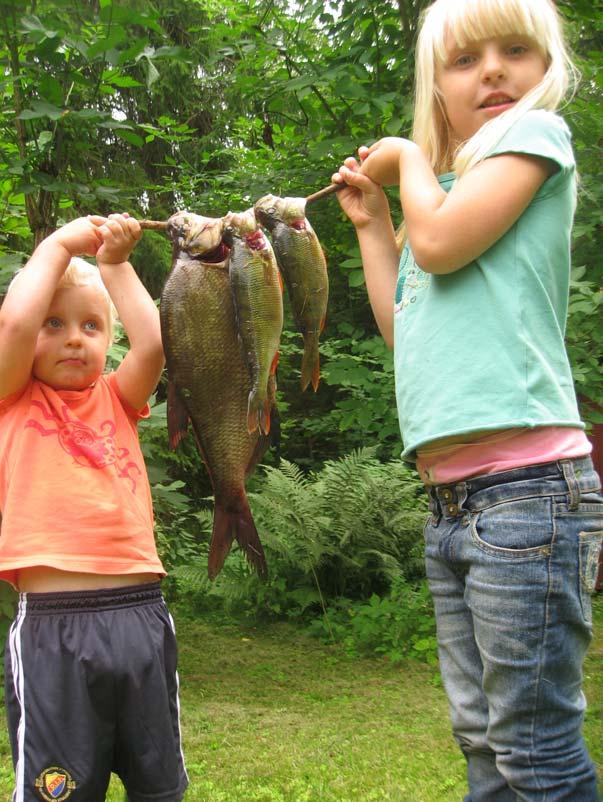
(156, 106)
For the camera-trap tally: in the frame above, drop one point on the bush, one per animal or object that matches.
(350, 530)
(397, 626)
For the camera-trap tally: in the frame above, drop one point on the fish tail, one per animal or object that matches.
(236, 523)
(310, 369)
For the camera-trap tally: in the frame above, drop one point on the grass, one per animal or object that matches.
(270, 715)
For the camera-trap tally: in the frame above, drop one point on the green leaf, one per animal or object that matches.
(44, 139)
(354, 261)
(34, 24)
(51, 90)
(117, 79)
(127, 16)
(151, 71)
(178, 53)
(131, 137)
(116, 37)
(356, 278)
(39, 108)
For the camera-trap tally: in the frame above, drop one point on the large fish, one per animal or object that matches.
(258, 299)
(209, 381)
(303, 265)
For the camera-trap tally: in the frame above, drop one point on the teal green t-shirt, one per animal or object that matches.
(483, 348)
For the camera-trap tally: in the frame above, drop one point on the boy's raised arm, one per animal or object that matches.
(28, 298)
(138, 374)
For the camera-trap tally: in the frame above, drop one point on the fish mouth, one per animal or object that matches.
(290, 211)
(217, 256)
(201, 238)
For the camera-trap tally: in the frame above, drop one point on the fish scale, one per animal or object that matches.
(304, 268)
(258, 300)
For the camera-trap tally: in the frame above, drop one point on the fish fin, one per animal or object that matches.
(254, 412)
(269, 404)
(258, 409)
(274, 365)
(258, 452)
(258, 415)
(310, 369)
(177, 417)
(235, 523)
(265, 417)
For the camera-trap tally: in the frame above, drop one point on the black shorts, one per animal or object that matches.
(92, 688)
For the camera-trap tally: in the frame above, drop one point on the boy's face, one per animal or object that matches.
(72, 344)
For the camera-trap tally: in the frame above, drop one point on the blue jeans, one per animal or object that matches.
(511, 561)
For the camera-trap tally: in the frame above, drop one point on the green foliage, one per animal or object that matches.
(351, 529)
(8, 599)
(160, 107)
(208, 106)
(585, 342)
(396, 626)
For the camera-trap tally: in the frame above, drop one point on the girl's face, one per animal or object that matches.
(485, 78)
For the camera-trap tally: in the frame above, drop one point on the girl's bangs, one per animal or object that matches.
(474, 20)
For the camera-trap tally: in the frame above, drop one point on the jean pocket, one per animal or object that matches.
(589, 551)
(515, 529)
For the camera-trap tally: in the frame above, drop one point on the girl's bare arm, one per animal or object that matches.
(365, 203)
(446, 231)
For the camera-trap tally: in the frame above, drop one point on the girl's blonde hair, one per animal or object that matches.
(81, 273)
(472, 20)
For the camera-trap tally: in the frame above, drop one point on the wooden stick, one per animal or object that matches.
(322, 193)
(153, 225)
(161, 225)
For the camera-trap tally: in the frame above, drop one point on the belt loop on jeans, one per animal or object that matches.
(567, 466)
(434, 506)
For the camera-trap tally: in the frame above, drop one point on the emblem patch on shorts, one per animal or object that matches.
(55, 784)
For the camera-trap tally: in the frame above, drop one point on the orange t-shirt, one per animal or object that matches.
(74, 492)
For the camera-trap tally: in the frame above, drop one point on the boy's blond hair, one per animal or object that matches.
(80, 273)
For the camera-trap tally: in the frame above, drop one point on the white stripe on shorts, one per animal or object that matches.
(178, 700)
(16, 660)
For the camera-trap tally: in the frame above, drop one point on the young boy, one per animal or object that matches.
(91, 682)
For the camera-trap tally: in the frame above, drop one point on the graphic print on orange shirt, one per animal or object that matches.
(88, 448)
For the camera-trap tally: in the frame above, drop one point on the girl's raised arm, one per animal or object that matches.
(446, 231)
(365, 203)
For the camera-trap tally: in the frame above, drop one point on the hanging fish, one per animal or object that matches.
(304, 268)
(209, 382)
(258, 300)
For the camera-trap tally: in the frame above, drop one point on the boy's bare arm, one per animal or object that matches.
(26, 304)
(138, 374)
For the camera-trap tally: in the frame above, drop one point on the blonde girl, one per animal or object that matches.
(475, 308)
